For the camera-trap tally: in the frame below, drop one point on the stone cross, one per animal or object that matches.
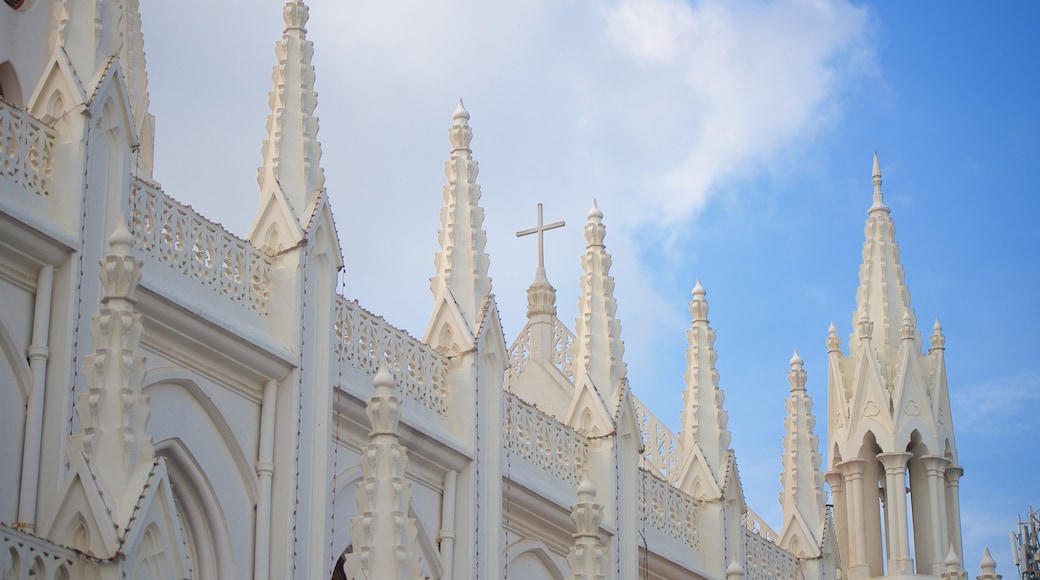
(540, 230)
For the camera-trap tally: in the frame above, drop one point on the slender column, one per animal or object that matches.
(940, 543)
(446, 537)
(264, 471)
(953, 505)
(38, 355)
(837, 484)
(853, 469)
(898, 537)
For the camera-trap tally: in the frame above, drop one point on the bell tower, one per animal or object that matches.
(893, 469)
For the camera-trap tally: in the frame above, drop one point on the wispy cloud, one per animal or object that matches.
(998, 406)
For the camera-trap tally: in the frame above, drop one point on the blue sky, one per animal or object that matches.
(725, 141)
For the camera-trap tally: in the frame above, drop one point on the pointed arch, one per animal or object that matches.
(205, 530)
(533, 553)
(10, 86)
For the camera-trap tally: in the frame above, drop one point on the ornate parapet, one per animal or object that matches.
(24, 556)
(764, 560)
(661, 450)
(174, 234)
(366, 341)
(562, 351)
(25, 149)
(668, 508)
(544, 441)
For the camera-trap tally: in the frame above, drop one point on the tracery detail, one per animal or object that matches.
(661, 450)
(366, 341)
(175, 234)
(668, 508)
(764, 560)
(25, 148)
(544, 441)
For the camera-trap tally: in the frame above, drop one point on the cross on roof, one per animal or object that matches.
(540, 230)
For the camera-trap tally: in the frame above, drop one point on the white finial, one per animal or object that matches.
(595, 215)
(296, 15)
(952, 561)
(988, 564)
(461, 115)
(796, 361)
(832, 330)
(698, 290)
(937, 328)
(879, 202)
(587, 489)
(383, 382)
(121, 240)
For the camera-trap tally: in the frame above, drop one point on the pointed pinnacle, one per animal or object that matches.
(595, 215)
(698, 290)
(296, 15)
(796, 361)
(879, 201)
(461, 115)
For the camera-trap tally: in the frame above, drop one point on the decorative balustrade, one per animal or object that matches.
(175, 234)
(366, 341)
(544, 441)
(26, 557)
(25, 149)
(756, 524)
(661, 450)
(563, 351)
(667, 508)
(764, 560)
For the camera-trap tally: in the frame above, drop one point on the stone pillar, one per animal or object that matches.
(953, 505)
(935, 468)
(837, 485)
(852, 470)
(899, 562)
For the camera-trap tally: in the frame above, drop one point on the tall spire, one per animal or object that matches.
(883, 296)
(703, 418)
(291, 177)
(599, 350)
(462, 264)
(801, 481)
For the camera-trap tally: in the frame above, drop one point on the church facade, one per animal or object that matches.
(178, 402)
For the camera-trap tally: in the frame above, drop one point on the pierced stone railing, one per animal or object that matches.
(175, 234)
(563, 351)
(366, 341)
(667, 508)
(764, 560)
(27, 557)
(661, 450)
(25, 149)
(755, 523)
(544, 441)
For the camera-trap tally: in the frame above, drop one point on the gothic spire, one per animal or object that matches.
(703, 418)
(461, 264)
(801, 481)
(599, 350)
(291, 177)
(883, 297)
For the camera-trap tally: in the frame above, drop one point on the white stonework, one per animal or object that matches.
(180, 402)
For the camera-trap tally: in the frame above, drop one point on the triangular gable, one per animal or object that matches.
(111, 88)
(697, 478)
(627, 419)
(82, 500)
(321, 230)
(870, 399)
(796, 528)
(838, 405)
(587, 398)
(275, 227)
(448, 331)
(731, 487)
(490, 339)
(154, 536)
(59, 76)
(912, 405)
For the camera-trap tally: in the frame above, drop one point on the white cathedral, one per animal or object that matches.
(179, 402)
